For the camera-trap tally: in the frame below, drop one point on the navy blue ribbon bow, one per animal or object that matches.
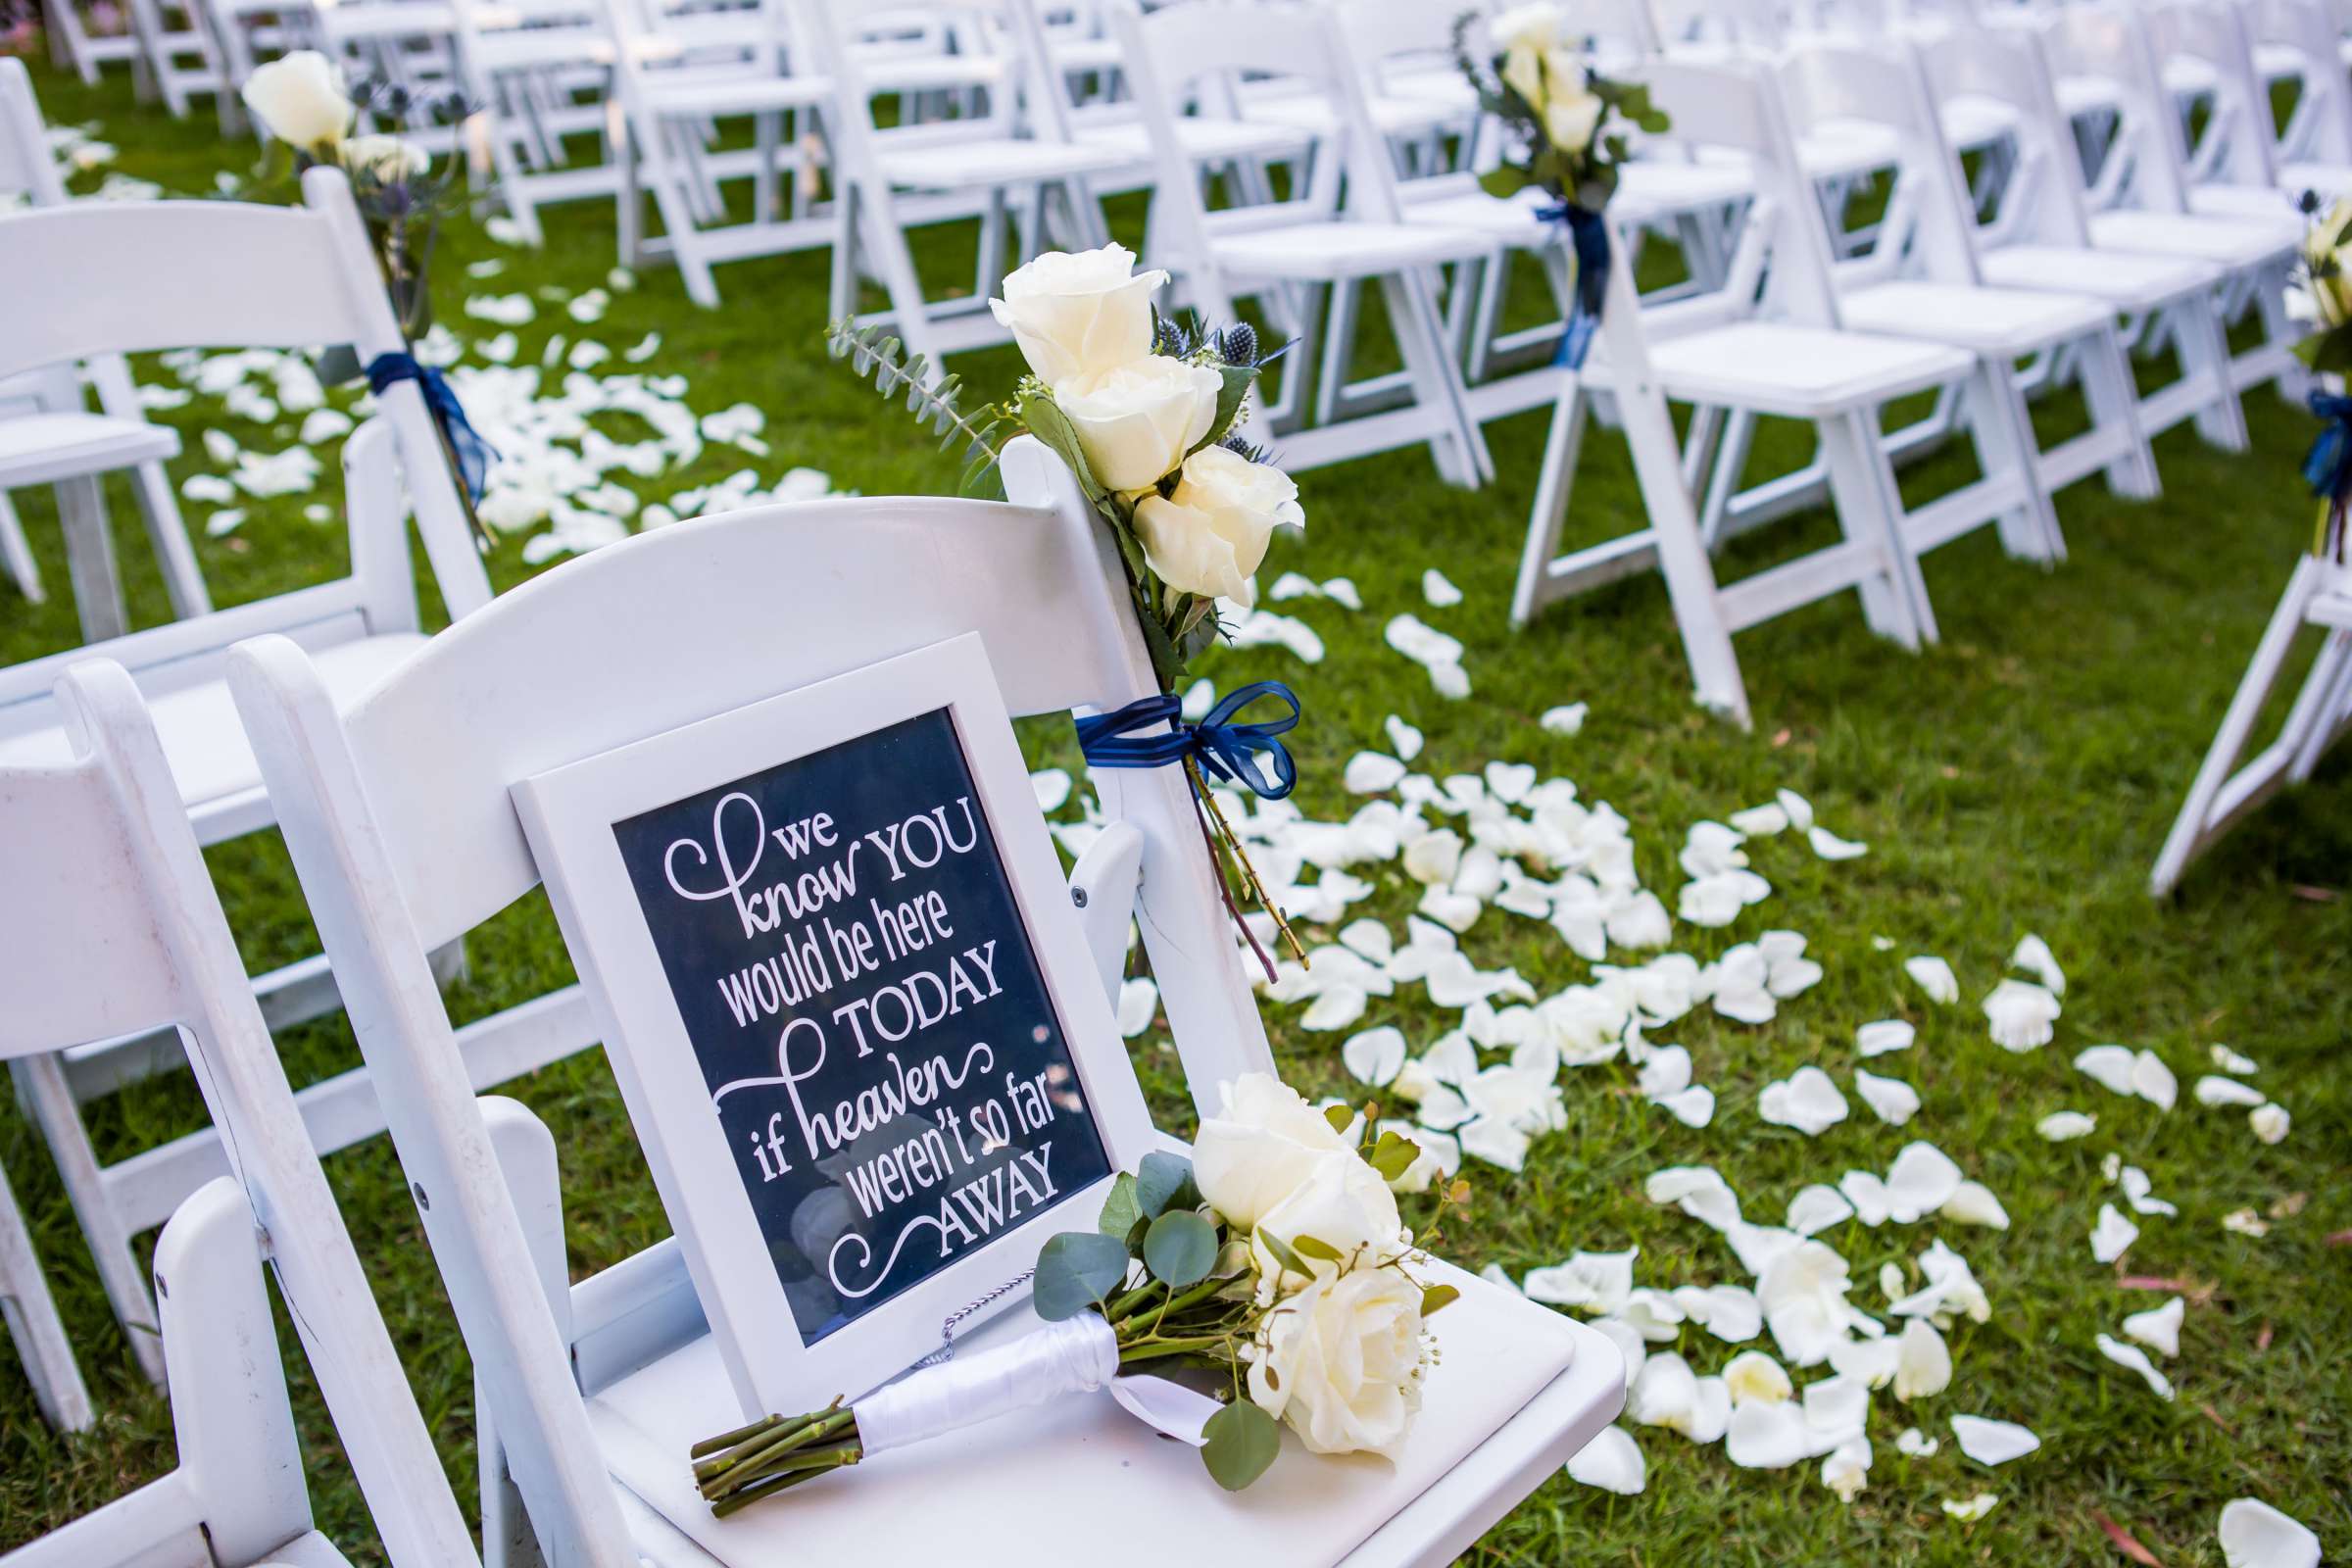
(473, 453)
(1588, 237)
(1224, 749)
(2329, 466)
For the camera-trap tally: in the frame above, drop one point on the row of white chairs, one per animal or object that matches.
(385, 760)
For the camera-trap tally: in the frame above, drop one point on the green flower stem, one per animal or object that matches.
(1124, 1307)
(755, 1465)
(1166, 1350)
(814, 1465)
(728, 1439)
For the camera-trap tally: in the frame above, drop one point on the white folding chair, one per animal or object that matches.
(2232, 163)
(2138, 198)
(74, 47)
(2318, 594)
(613, 1377)
(1025, 182)
(80, 281)
(110, 925)
(1292, 254)
(1920, 281)
(1767, 342)
(60, 443)
(539, 75)
(184, 58)
(2038, 235)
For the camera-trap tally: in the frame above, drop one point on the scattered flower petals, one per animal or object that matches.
(1371, 773)
(1884, 1035)
(1974, 1203)
(2034, 956)
(1992, 1442)
(1975, 1508)
(2112, 1236)
(2246, 1222)
(1934, 977)
(2255, 1534)
(2230, 1062)
(2065, 1126)
(1374, 1056)
(1599, 1282)
(1611, 1461)
(1753, 1376)
(1566, 719)
(1138, 1003)
(2270, 1123)
(1830, 846)
(1895, 1100)
(2021, 1015)
(1916, 1444)
(2159, 1327)
(2135, 1360)
(1441, 593)
(1847, 1471)
(1807, 1101)
(2215, 1090)
(1923, 1364)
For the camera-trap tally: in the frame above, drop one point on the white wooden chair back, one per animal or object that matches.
(1925, 231)
(1718, 27)
(2240, 135)
(2145, 163)
(864, 72)
(110, 927)
(26, 169)
(242, 277)
(2318, 128)
(397, 817)
(2041, 201)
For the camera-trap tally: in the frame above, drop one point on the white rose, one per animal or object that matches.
(1259, 1149)
(388, 159)
(1342, 1361)
(300, 100)
(1538, 26)
(1135, 423)
(1082, 315)
(1341, 1207)
(1523, 74)
(1211, 533)
(1573, 115)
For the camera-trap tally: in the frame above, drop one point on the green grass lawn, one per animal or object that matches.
(2017, 778)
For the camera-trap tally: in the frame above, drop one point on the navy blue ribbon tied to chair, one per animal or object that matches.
(1589, 239)
(2329, 466)
(473, 453)
(1224, 749)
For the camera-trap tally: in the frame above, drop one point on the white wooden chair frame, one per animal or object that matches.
(134, 446)
(525, 68)
(73, 47)
(398, 858)
(112, 926)
(2318, 594)
(1220, 257)
(288, 277)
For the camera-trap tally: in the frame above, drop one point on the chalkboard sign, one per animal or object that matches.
(871, 1021)
(848, 1008)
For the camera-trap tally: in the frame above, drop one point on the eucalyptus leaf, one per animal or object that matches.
(1238, 379)
(1435, 1297)
(1046, 422)
(1161, 1180)
(1076, 1270)
(1504, 182)
(1243, 1440)
(1180, 1249)
(1120, 1210)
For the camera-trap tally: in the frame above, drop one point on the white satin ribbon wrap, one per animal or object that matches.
(1077, 1355)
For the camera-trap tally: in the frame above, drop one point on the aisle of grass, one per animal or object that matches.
(2017, 778)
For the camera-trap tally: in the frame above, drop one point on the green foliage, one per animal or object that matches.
(1394, 1154)
(878, 356)
(1165, 1181)
(1180, 1249)
(1243, 1440)
(1121, 1212)
(1076, 1270)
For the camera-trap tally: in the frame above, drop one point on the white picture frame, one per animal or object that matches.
(570, 816)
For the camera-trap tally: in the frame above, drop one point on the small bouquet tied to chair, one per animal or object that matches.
(1151, 418)
(1272, 1271)
(2325, 298)
(1565, 124)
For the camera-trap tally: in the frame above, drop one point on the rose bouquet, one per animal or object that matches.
(1272, 1269)
(301, 101)
(2326, 300)
(1149, 416)
(1558, 112)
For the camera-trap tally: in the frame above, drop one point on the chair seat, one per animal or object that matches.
(1800, 373)
(738, 95)
(1842, 148)
(203, 741)
(1512, 220)
(2188, 77)
(1652, 189)
(930, 73)
(990, 161)
(2088, 95)
(2264, 204)
(351, 22)
(2006, 321)
(1205, 139)
(1330, 251)
(1395, 113)
(2278, 62)
(2232, 242)
(43, 448)
(1114, 1491)
(2328, 182)
(312, 1550)
(2125, 279)
(1085, 53)
(1972, 120)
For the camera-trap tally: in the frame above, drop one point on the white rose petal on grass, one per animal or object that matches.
(2135, 1360)
(1974, 1508)
(2140, 1193)
(2112, 1236)
(1693, 1106)
(1697, 1191)
(1199, 699)
(1914, 1444)
(1611, 1461)
(1668, 1394)
(1807, 1100)
(1884, 1035)
(1600, 1282)
(2154, 1081)
(2246, 1222)
(1566, 719)
(1992, 1442)
(1405, 739)
(1920, 1181)
(2255, 1534)
(1079, 315)
(1768, 1434)
(1923, 1364)
(2215, 1090)
(1052, 787)
(1753, 1376)
(2230, 1062)
(1895, 1102)
(2034, 956)
(2021, 1015)
(1335, 1010)
(2065, 1126)
(1760, 821)
(1138, 1003)
(2159, 1327)
(1934, 977)
(1803, 1292)
(1974, 1203)
(1816, 1208)
(1830, 846)
(1371, 773)
(1729, 1312)
(1440, 594)
(1375, 1056)
(2270, 1123)
(1847, 1471)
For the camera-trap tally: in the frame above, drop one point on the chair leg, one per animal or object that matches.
(2204, 351)
(1869, 508)
(33, 1324)
(1554, 485)
(2115, 405)
(184, 579)
(16, 555)
(2003, 437)
(1414, 318)
(42, 1082)
(90, 558)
